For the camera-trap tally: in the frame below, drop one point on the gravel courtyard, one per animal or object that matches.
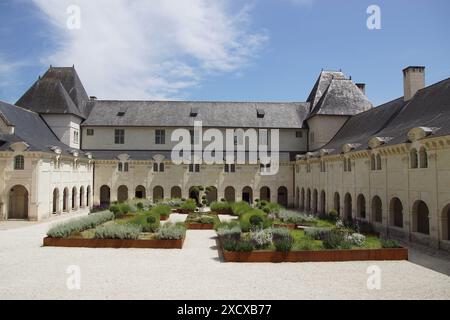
(29, 271)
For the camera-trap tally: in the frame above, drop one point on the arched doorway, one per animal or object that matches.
(283, 196)
(302, 199)
(18, 203)
(122, 194)
(140, 192)
(247, 195)
(323, 202)
(421, 220)
(194, 193)
(82, 197)
(88, 196)
(74, 198)
(377, 210)
(361, 207)
(105, 196)
(446, 223)
(175, 193)
(315, 201)
(396, 213)
(211, 194)
(66, 200)
(297, 198)
(230, 194)
(308, 200)
(348, 207)
(337, 203)
(158, 194)
(55, 206)
(264, 194)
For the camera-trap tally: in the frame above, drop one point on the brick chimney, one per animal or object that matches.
(362, 87)
(413, 81)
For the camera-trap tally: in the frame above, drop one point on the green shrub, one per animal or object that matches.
(170, 231)
(305, 244)
(284, 244)
(245, 223)
(280, 233)
(225, 233)
(271, 208)
(64, 230)
(162, 209)
(288, 216)
(333, 215)
(228, 225)
(389, 244)
(189, 205)
(256, 221)
(239, 208)
(118, 231)
(120, 210)
(335, 239)
(207, 220)
(261, 239)
(238, 246)
(174, 203)
(140, 206)
(317, 233)
(148, 221)
(221, 207)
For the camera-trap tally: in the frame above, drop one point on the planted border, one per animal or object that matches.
(113, 243)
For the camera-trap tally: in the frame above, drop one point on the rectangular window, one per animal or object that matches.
(194, 168)
(75, 136)
(90, 132)
(19, 163)
(230, 168)
(160, 137)
(299, 134)
(120, 167)
(125, 167)
(119, 136)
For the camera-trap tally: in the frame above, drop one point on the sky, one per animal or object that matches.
(259, 50)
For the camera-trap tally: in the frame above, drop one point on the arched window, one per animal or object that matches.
(175, 193)
(264, 194)
(413, 158)
(361, 206)
(158, 194)
(283, 196)
(161, 167)
(230, 194)
(379, 167)
(373, 165)
(396, 213)
(345, 165)
(122, 194)
(140, 192)
(322, 202)
(19, 163)
(348, 207)
(421, 222)
(349, 165)
(423, 156)
(337, 203)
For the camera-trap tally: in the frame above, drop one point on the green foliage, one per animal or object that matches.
(170, 231)
(256, 221)
(174, 203)
(64, 230)
(336, 239)
(390, 244)
(207, 220)
(317, 233)
(245, 223)
(162, 209)
(261, 239)
(148, 221)
(288, 216)
(189, 205)
(120, 210)
(140, 206)
(118, 231)
(239, 208)
(238, 246)
(270, 208)
(284, 244)
(221, 207)
(333, 215)
(279, 233)
(233, 233)
(228, 225)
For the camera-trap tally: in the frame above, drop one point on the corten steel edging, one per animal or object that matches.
(113, 243)
(200, 226)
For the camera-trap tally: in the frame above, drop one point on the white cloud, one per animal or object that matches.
(136, 49)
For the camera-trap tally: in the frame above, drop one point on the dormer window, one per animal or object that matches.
(194, 112)
(19, 163)
(158, 167)
(123, 167)
(120, 114)
(260, 113)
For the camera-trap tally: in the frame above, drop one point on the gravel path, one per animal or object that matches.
(29, 271)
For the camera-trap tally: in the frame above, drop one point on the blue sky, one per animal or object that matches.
(268, 50)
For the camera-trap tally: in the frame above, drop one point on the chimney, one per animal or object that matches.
(413, 81)
(362, 87)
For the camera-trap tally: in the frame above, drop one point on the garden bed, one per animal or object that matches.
(200, 226)
(317, 255)
(113, 243)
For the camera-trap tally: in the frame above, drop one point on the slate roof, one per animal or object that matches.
(29, 128)
(212, 114)
(430, 107)
(59, 91)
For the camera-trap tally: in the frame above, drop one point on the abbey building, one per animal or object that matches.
(63, 151)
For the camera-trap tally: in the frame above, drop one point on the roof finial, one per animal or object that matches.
(51, 66)
(73, 66)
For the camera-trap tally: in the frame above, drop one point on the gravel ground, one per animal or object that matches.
(29, 271)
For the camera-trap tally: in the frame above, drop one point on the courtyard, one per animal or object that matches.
(30, 271)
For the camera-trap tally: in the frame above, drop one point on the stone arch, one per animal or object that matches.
(282, 197)
(337, 203)
(55, 201)
(414, 159)
(348, 207)
(377, 210)
(297, 198)
(323, 203)
(74, 198)
(361, 206)
(421, 217)
(105, 195)
(66, 200)
(82, 197)
(122, 193)
(396, 213)
(88, 196)
(373, 164)
(423, 158)
(302, 199)
(264, 194)
(230, 194)
(175, 193)
(194, 193)
(18, 203)
(140, 192)
(247, 194)
(158, 194)
(315, 201)
(379, 165)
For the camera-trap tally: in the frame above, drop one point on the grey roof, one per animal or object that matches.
(59, 91)
(29, 128)
(430, 107)
(212, 114)
(322, 84)
(149, 154)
